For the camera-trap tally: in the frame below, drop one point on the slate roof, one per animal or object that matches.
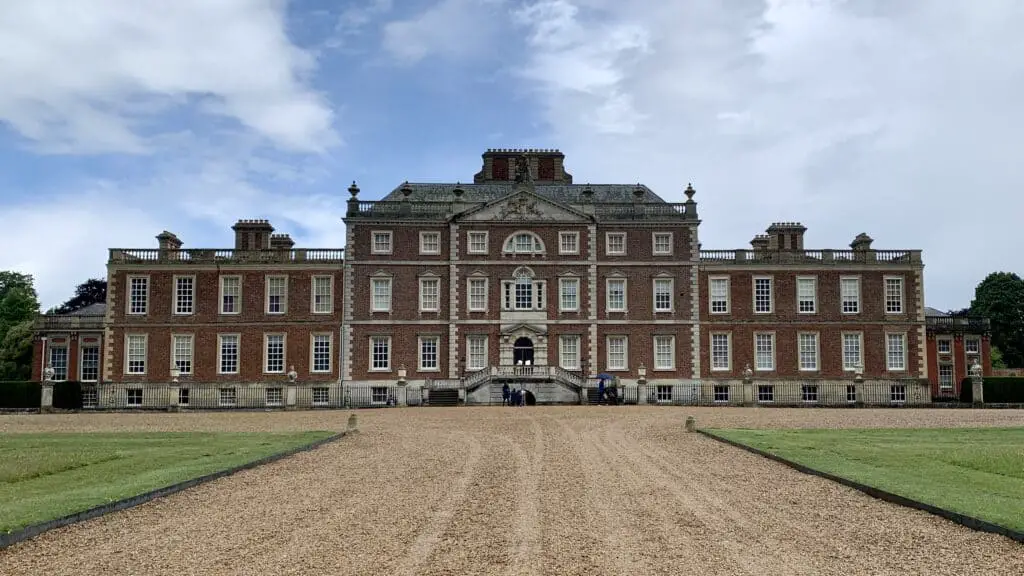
(929, 311)
(561, 193)
(90, 310)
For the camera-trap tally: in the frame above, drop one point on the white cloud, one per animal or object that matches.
(88, 75)
(895, 118)
(450, 28)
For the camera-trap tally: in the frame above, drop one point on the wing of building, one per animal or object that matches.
(524, 277)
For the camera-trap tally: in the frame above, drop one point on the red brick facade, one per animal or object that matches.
(521, 265)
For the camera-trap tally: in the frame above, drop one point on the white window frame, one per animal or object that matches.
(266, 352)
(813, 300)
(671, 356)
(144, 308)
(220, 353)
(329, 279)
(771, 294)
(575, 242)
(177, 304)
(654, 243)
(423, 281)
(972, 339)
(902, 295)
(389, 349)
(82, 347)
(608, 352)
(469, 293)
(420, 341)
(511, 246)
(469, 242)
(538, 294)
(190, 350)
(817, 352)
(860, 351)
(562, 283)
(949, 346)
(608, 294)
(373, 297)
(67, 361)
(711, 294)
(952, 375)
(383, 234)
(608, 243)
(221, 295)
(266, 296)
(770, 367)
(424, 234)
(855, 301)
(478, 339)
(128, 356)
(671, 292)
(889, 367)
(728, 351)
(574, 362)
(330, 352)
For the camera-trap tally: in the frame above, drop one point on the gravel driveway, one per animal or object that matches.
(559, 490)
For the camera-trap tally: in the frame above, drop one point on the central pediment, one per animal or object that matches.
(522, 206)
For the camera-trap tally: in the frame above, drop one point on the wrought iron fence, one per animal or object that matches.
(776, 393)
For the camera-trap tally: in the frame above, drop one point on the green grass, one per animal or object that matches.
(977, 472)
(46, 476)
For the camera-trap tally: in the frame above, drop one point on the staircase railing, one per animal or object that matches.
(569, 378)
(477, 378)
(560, 375)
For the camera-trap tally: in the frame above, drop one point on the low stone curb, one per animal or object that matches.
(10, 538)
(963, 520)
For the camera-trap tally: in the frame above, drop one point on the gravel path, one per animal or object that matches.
(595, 491)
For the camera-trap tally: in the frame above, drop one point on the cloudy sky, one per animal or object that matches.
(899, 118)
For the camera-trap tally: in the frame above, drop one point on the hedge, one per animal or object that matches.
(998, 390)
(20, 394)
(67, 395)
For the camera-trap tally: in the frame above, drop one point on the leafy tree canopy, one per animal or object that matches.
(19, 306)
(1000, 297)
(92, 291)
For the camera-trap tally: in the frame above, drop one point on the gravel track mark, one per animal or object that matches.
(427, 540)
(526, 553)
(818, 520)
(616, 491)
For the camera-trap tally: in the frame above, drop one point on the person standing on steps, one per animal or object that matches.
(505, 394)
(600, 391)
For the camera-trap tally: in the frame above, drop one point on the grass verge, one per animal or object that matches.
(976, 472)
(47, 476)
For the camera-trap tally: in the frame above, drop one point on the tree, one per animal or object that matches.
(19, 307)
(1000, 297)
(92, 291)
(996, 358)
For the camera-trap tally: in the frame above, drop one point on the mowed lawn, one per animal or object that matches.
(46, 476)
(978, 472)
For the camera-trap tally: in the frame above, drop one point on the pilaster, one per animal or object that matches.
(592, 298)
(922, 331)
(349, 299)
(695, 354)
(108, 329)
(453, 301)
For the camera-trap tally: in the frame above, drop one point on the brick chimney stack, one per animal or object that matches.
(862, 243)
(760, 243)
(281, 242)
(786, 236)
(252, 234)
(168, 241)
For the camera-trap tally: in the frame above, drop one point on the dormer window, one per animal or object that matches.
(524, 243)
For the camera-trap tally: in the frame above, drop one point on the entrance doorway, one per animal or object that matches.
(522, 351)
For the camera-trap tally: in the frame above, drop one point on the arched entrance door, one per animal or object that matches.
(522, 351)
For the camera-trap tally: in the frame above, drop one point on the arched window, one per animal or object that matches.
(523, 292)
(524, 242)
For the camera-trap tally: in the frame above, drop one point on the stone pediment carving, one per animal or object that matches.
(522, 206)
(521, 328)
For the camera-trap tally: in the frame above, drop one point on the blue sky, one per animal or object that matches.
(119, 119)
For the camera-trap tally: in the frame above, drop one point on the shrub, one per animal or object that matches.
(67, 395)
(20, 394)
(998, 390)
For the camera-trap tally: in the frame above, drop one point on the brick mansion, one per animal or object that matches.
(521, 276)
